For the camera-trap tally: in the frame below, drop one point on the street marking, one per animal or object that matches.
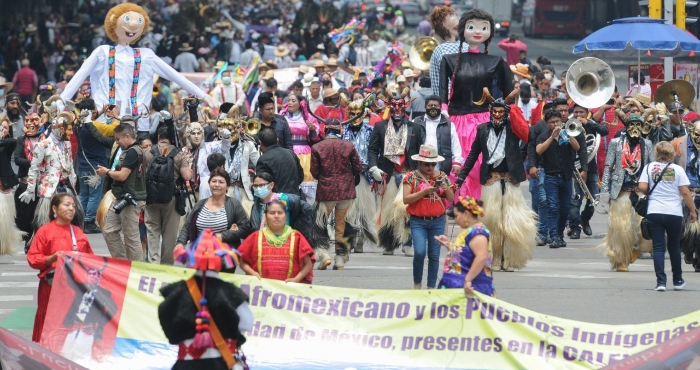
(18, 273)
(17, 284)
(607, 264)
(565, 276)
(378, 267)
(16, 298)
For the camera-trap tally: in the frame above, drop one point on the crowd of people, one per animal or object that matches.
(381, 155)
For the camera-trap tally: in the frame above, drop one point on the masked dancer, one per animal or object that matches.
(464, 75)
(9, 234)
(240, 157)
(360, 221)
(627, 155)
(512, 222)
(688, 156)
(391, 146)
(200, 151)
(52, 171)
(22, 157)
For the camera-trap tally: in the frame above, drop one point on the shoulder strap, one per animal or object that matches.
(219, 341)
(657, 180)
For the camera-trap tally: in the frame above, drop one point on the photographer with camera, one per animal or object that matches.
(128, 183)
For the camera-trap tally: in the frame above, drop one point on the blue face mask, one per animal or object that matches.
(262, 192)
(2, 92)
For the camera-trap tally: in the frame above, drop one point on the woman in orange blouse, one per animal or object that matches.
(277, 251)
(51, 241)
(426, 192)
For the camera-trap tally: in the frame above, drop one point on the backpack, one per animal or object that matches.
(160, 178)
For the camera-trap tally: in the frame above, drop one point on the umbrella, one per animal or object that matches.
(628, 37)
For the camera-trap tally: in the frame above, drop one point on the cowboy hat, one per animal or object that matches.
(329, 93)
(401, 78)
(31, 28)
(408, 73)
(271, 64)
(185, 47)
(281, 51)
(220, 64)
(263, 66)
(6, 86)
(520, 70)
(427, 153)
(68, 48)
(364, 38)
(332, 62)
(308, 79)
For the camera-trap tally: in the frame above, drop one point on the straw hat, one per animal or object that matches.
(304, 69)
(6, 86)
(427, 153)
(401, 78)
(272, 64)
(332, 62)
(364, 38)
(405, 64)
(520, 70)
(408, 73)
(263, 66)
(281, 51)
(319, 64)
(308, 79)
(269, 75)
(329, 93)
(185, 47)
(68, 48)
(645, 100)
(31, 28)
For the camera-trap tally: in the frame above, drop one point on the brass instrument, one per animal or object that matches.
(156, 90)
(680, 91)
(590, 83)
(573, 128)
(419, 54)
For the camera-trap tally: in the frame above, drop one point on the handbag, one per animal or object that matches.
(642, 204)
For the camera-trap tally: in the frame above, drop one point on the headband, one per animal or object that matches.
(472, 206)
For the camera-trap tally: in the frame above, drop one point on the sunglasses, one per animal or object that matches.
(429, 164)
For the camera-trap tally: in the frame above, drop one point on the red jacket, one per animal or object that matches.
(335, 164)
(25, 79)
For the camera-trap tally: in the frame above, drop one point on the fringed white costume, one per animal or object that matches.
(9, 234)
(360, 221)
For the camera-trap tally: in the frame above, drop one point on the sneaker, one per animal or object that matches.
(586, 227)
(541, 242)
(575, 234)
(679, 286)
(91, 228)
(660, 288)
(569, 231)
(562, 243)
(408, 251)
(553, 243)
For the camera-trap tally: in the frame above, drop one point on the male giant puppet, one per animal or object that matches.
(122, 75)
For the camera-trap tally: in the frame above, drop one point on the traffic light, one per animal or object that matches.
(682, 9)
(655, 8)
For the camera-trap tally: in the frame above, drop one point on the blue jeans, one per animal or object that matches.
(424, 233)
(90, 197)
(575, 214)
(666, 233)
(558, 191)
(539, 203)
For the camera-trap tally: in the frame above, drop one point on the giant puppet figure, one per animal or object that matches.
(687, 149)
(512, 222)
(627, 156)
(122, 75)
(463, 76)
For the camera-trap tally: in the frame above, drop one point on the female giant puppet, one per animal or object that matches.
(122, 75)
(463, 77)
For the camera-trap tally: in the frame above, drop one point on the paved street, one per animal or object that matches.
(574, 282)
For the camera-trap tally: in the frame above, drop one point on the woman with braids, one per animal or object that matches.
(463, 77)
(305, 132)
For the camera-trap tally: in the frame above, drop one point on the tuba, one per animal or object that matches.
(420, 52)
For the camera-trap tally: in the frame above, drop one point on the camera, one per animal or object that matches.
(126, 199)
(438, 183)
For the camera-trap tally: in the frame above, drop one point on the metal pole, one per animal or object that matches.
(668, 61)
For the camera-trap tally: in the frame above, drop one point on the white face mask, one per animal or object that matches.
(548, 76)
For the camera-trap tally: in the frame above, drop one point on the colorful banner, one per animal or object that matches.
(300, 326)
(17, 353)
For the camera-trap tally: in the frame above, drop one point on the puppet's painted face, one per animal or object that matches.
(634, 129)
(196, 134)
(477, 31)
(130, 27)
(450, 23)
(32, 124)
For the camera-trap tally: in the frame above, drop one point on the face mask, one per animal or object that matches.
(262, 192)
(548, 76)
(326, 82)
(226, 80)
(562, 95)
(433, 112)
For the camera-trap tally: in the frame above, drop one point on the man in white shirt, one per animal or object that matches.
(229, 92)
(378, 48)
(315, 98)
(440, 132)
(526, 102)
(186, 62)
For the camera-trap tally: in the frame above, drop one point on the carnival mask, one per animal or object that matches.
(695, 135)
(195, 132)
(477, 31)
(130, 27)
(497, 115)
(357, 111)
(634, 128)
(397, 108)
(649, 117)
(32, 124)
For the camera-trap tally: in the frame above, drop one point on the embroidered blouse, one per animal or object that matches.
(431, 205)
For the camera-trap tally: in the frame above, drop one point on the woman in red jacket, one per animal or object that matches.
(51, 241)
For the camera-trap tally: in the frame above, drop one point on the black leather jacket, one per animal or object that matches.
(477, 71)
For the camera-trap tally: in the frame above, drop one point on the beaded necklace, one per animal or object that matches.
(135, 83)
